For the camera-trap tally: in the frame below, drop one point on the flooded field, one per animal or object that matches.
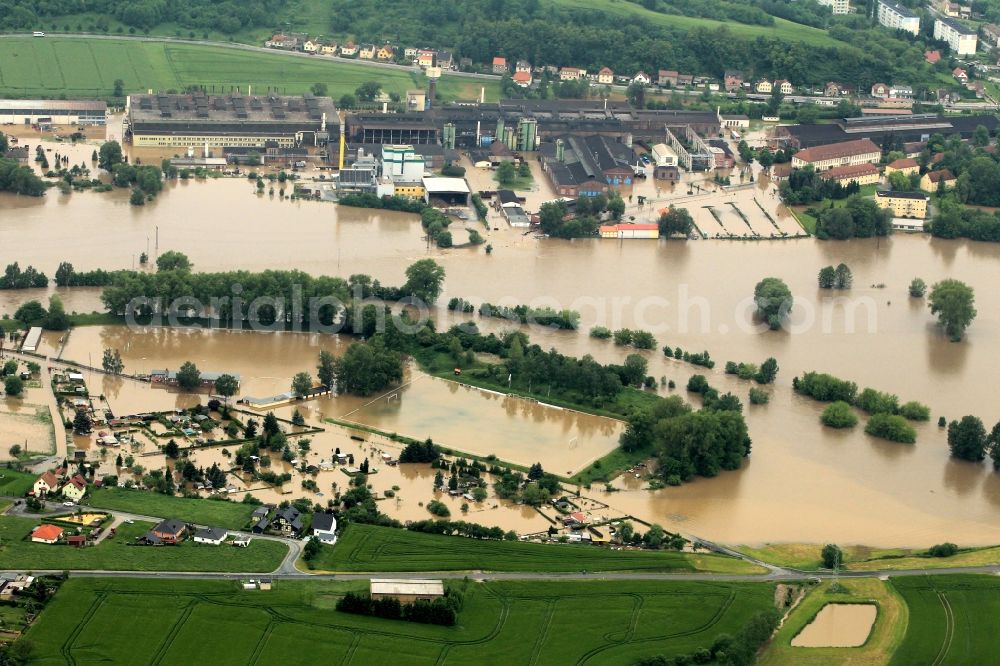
(838, 625)
(25, 424)
(802, 482)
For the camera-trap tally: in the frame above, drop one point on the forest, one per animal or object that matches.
(228, 16)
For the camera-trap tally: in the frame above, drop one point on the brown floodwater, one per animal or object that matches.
(838, 625)
(802, 482)
(466, 419)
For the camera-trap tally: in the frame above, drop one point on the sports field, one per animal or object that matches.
(78, 67)
(214, 513)
(370, 548)
(164, 622)
(18, 552)
(954, 619)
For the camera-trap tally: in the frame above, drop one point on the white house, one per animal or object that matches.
(211, 535)
(45, 484)
(75, 488)
(641, 78)
(324, 527)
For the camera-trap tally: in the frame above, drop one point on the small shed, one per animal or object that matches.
(406, 591)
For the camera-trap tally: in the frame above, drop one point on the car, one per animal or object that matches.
(130, 522)
(69, 503)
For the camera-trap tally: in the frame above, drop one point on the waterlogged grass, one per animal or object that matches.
(89, 67)
(953, 619)
(215, 513)
(885, 637)
(371, 548)
(144, 621)
(17, 551)
(807, 557)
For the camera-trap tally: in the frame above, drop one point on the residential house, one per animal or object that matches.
(287, 521)
(733, 81)
(167, 531)
(522, 66)
(763, 86)
(784, 86)
(961, 39)
(444, 59)
(324, 527)
(960, 74)
(385, 52)
(837, 7)
(904, 204)
(282, 41)
(522, 79)
(17, 153)
(904, 165)
(624, 231)
(571, 73)
(425, 58)
(862, 174)
(312, 46)
(685, 80)
(367, 52)
(499, 65)
(211, 535)
(932, 57)
(828, 156)
(46, 534)
(895, 16)
(349, 50)
(465, 64)
(977, 87)
(932, 180)
(75, 488)
(606, 76)
(642, 79)
(832, 89)
(329, 49)
(901, 91)
(46, 484)
(666, 78)
(880, 90)
(411, 52)
(575, 519)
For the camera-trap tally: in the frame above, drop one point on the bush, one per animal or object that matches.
(825, 388)
(759, 396)
(438, 508)
(915, 411)
(891, 427)
(943, 550)
(600, 332)
(698, 384)
(839, 415)
(877, 402)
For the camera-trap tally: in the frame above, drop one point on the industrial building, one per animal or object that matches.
(52, 112)
(239, 121)
(899, 128)
(587, 165)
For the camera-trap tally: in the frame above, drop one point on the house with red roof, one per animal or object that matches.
(75, 488)
(522, 79)
(46, 534)
(45, 484)
(499, 65)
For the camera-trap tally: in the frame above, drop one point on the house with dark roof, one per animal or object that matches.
(287, 521)
(324, 527)
(211, 535)
(169, 531)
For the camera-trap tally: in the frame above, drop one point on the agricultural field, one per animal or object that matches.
(17, 551)
(884, 639)
(14, 483)
(953, 619)
(142, 621)
(806, 557)
(77, 67)
(371, 548)
(215, 513)
(782, 29)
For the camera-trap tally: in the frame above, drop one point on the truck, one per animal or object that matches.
(37, 34)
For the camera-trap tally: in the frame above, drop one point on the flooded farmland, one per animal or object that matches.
(838, 625)
(801, 483)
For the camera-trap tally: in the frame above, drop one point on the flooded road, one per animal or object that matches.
(802, 482)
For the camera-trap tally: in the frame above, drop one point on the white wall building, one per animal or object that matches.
(962, 40)
(837, 6)
(894, 16)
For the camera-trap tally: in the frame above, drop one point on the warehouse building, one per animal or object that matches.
(883, 130)
(587, 165)
(237, 121)
(52, 112)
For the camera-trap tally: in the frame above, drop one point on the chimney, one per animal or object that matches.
(322, 123)
(207, 154)
(385, 107)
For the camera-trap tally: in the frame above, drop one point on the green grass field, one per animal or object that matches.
(215, 513)
(370, 548)
(952, 619)
(14, 483)
(88, 68)
(117, 553)
(782, 29)
(151, 621)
